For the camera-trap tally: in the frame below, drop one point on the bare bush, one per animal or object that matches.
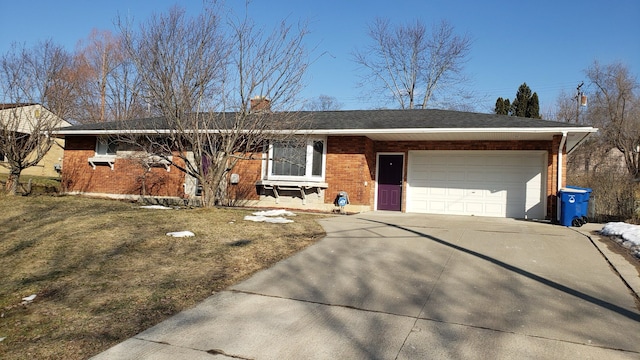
(614, 195)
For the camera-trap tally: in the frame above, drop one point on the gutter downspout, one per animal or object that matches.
(559, 182)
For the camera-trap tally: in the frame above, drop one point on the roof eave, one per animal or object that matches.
(359, 132)
(544, 130)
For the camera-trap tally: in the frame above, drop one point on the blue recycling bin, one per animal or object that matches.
(572, 206)
(584, 200)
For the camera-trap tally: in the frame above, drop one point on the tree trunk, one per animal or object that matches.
(13, 180)
(208, 196)
(214, 182)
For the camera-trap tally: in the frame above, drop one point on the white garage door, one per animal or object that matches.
(483, 183)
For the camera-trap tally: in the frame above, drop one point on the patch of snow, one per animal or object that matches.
(2, 339)
(181, 234)
(274, 213)
(273, 220)
(155, 207)
(627, 235)
(271, 216)
(627, 232)
(29, 298)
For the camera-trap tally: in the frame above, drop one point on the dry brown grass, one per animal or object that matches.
(105, 270)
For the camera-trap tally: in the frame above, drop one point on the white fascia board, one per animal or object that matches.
(110, 132)
(554, 130)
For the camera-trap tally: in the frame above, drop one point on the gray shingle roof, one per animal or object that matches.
(364, 120)
(420, 119)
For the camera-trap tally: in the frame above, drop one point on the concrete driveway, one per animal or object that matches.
(406, 286)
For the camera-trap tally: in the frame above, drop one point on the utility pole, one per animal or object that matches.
(578, 95)
(581, 99)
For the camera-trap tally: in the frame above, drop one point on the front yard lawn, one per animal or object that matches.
(103, 271)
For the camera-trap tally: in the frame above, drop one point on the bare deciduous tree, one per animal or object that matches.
(108, 85)
(39, 74)
(615, 108)
(324, 103)
(411, 64)
(607, 162)
(32, 82)
(201, 74)
(591, 156)
(99, 55)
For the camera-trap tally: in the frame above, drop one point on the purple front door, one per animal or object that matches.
(390, 173)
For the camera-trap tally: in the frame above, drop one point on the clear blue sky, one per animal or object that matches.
(546, 44)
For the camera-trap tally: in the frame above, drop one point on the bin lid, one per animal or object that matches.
(579, 188)
(571, 190)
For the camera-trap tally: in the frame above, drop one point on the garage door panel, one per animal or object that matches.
(496, 195)
(436, 175)
(475, 176)
(435, 206)
(474, 207)
(473, 194)
(454, 207)
(491, 183)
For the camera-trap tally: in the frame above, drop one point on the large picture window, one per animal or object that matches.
(296, 160)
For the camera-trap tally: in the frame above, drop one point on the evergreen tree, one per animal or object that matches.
(525, 104)
(533, 107)
(502, 106)
(521, 101)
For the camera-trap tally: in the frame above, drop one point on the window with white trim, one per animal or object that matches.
(106, 147)
(297, 160)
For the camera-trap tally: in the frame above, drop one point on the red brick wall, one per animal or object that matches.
(249, 172)
(128, 177)
(350, 163)
(552, 178)
(405, 146)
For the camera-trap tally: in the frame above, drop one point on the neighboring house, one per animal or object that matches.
(421, 161)
(589, 159)
(51, 163)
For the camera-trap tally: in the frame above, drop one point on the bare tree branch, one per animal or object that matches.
(408, 63)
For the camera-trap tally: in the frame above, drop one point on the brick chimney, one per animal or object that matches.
(260, 103)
